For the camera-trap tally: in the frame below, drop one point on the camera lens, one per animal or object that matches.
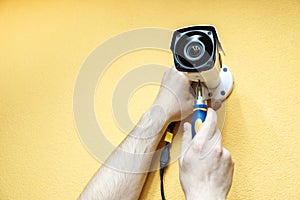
(194, 50)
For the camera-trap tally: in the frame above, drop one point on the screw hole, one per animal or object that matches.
(223, 92)
(224, 69)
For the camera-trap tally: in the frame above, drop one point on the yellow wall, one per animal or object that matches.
(43, 44)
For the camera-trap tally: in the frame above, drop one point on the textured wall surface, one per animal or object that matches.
(44, 43)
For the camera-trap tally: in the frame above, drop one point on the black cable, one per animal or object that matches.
(171, 127)
(164, 160)
(162, 193)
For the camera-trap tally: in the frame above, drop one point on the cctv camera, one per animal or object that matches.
(196, 52)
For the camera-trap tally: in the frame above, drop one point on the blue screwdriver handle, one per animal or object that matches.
(200, 111)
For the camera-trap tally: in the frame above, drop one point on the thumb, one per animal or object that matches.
(186, 138)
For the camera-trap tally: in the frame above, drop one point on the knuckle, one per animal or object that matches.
(226, 154)
(165, 73)
(218, 150)
(197, 146)
(186, 159)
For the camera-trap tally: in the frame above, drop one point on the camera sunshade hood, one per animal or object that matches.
(196, 28)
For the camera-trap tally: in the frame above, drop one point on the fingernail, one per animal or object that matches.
(186, 126)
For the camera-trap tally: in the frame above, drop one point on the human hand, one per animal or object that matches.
(174, 95)
(206, 168)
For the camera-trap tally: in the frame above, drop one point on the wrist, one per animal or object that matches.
(149, 130)
(204, 196)
(155, 119)
(165, 113)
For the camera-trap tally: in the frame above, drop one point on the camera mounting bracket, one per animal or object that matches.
(224, 88)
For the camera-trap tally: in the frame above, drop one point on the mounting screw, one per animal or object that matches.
(223, 92)
(208, 32)
(224, 69)
(210, 94)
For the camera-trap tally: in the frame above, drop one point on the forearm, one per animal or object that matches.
(124, 173)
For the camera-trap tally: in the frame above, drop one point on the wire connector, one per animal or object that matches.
(165, 156)
(164, 160)
(168, 137)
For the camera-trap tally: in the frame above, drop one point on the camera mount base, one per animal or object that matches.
(223, 90)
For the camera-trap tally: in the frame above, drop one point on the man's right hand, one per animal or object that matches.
(206, 168)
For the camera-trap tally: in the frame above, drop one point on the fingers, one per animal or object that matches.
(180, 74)
(218, 137)
(187, 137)
(227, 159)
(227, 156)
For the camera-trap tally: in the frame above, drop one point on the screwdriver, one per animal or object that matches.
(200, 110)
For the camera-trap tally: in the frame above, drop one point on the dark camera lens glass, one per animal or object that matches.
(194, 49)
